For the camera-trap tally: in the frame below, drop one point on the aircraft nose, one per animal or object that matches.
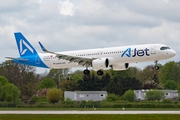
(172, 53)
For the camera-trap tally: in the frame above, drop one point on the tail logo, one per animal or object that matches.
(23, 50)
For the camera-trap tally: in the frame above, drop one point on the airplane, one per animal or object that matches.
(116, 58)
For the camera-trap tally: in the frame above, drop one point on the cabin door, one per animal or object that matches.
(153, 49)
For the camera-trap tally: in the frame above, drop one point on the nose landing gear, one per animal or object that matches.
(156, 65)
(156, 73)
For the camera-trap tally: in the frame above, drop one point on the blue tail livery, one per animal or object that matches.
(28, 54)
(24, 47)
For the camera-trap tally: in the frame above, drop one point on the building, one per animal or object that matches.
(169, 94)
(140, 94)
(85, 95)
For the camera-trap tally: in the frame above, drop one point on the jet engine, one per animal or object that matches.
(123, 66)
(103, 63)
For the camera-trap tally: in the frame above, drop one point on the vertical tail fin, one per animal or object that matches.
(24, 47)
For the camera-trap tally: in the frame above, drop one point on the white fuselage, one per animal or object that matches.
(117, 58)
(121, 55)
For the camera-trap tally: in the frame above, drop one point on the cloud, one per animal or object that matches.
(71, 25)
(66, 8)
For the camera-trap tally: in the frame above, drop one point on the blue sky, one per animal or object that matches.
(63, 25)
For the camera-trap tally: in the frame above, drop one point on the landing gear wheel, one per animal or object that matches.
(157, 67)
(86, 72)
(100, 72)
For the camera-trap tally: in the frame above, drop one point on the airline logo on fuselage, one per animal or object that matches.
(135, 52)
(23, 50)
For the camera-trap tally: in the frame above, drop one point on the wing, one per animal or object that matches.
(80, 60)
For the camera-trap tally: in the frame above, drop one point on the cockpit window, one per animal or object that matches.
(164, 48)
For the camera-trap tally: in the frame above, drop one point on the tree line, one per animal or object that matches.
(27, 83)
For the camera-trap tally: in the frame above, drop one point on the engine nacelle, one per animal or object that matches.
(117, 67)
(103, 63)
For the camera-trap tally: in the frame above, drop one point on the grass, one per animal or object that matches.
(90, 117)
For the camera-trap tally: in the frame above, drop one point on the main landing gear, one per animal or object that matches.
(100, 72)
(87, 72)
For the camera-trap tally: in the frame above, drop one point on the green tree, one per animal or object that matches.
(114, 87)
(121, 74)
(21, 76)
(85, 84)
(3, 80)
(111, 87)
(135, 72)
(90, 83)
(112, 98)
(58, 75)
(171, 85)
(170, 71)
(10, 93)
(130, 83)
(77, 75)
(105, 80)
(54, 95)
(47, 83)
(147, 74)
(129, 95)
(154, 95)
(118, 86)
(68, 85)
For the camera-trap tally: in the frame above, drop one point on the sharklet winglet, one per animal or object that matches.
(44, 49)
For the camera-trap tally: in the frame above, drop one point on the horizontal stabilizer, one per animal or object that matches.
(20, 59)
